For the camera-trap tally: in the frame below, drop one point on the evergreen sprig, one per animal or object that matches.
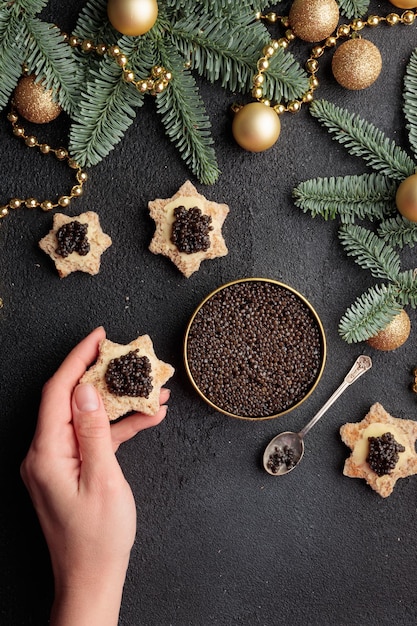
(353, 8)
(398, 231)
(369, 196)
(410, 100)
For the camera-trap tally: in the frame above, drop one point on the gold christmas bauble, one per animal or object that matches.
(256, 127)
(393, 335)
(404, 4)
(132, 17)
(34, 102)
(406, 198)
(356, 64)
(313, 20)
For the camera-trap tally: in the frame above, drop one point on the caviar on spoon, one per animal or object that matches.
(286, 450)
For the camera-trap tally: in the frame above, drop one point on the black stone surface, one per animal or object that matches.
(219, 541)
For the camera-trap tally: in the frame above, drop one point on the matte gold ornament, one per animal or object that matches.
(132, 17)
(406, 198)
(356, 64)
(404, 4)
(393, 335)
(256, 127)
(34, 102)
(313, 20)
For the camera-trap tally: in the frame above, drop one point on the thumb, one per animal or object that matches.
(92, 429)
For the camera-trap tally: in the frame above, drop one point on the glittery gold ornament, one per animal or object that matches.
(356, 64)
(406, 198)
(393, 335)
(34, 102)
(132, 17)
(256, 127)
(313, 20)
(404, 4)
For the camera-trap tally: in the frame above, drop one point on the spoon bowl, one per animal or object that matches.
(284, 452)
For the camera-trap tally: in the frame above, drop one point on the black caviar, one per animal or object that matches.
(383, 453)
(72, 237)
(129, 375)
(190, 230)
(254, 349)
(279, 457)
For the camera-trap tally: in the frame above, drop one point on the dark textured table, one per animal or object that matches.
(219, 541)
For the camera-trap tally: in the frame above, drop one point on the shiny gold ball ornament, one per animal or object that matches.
(313, 20)
(34, 102)
(132, 17)
(404, 4)
(356, 64)
(406, 198)
(393, 335)
(256, 127)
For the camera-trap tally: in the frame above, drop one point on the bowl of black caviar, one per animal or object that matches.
(254, 349)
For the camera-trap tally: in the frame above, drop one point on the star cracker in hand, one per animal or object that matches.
(375, 425)
(128, 377)
(76, 243)
(188, 245)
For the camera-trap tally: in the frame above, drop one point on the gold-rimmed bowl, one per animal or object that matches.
(254, 349)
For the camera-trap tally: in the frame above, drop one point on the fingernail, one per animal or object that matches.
(86, 398)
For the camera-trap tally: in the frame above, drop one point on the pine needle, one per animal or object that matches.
(363, 139)
(370, 251)
(398, 231)
(353, 8)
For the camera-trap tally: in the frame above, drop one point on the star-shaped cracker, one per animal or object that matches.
(162, 212)
(375, 424)
(118, 405)
(97, 240)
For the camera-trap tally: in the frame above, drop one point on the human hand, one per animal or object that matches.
(84, 504)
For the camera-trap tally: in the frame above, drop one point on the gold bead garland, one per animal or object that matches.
(344, 31)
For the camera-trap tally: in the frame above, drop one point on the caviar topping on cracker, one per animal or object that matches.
(383, 449)
(76, 243)
(188, 228)
(128, 377)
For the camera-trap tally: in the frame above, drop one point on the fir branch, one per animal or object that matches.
(185, 120)
(218, 7)
(369, 314)
(105, 114)
(217, 50)
(363, 139)
(30, 7)
(353, 8)
(93, 23)
(398, 231)
(407, 288)
(12, 54)
(49, 57)
(284, 79)
(370, 251)
(410, 100)
(365, 196)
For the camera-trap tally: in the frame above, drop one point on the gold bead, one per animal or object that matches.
(157, 71)
(31, 203)
(4, 210)
(331, 42)
(44, 148)
(312, 65)
(294, 106)
(113, 51)
(257, 93)
(373, 20)
(142, 86)
(15, 203)
(308, 97)
(19, 131)
(82, 177)
(167, 75)
(393, 19)
(159, 86)
(279, 108)
(408, 17)
(358, 24)
(258, 80)
(74, 41)
(317, 51)
(87, 45)
(275, 44)
(64, 201)
(271, 17)
(12, 117)
(262, 64)
(313, 82)
(289, 34)
(31, 141)
(77, 191)
(101, 48)
(121, 60)
(46, 205)
(268, 51)
(61, 153)
(343, 30)
(283, 43)
(72, 163)
(128, 76)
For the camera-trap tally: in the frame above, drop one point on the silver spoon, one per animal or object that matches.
(285, 451)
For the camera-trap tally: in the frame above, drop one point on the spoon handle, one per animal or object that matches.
(362, 364)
